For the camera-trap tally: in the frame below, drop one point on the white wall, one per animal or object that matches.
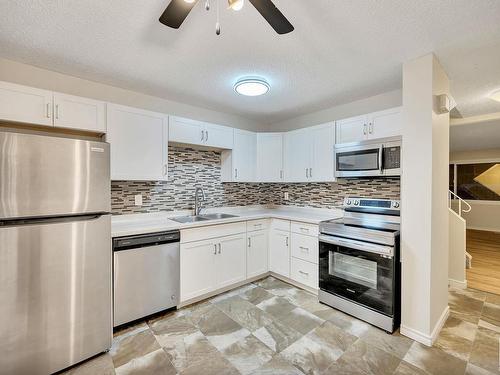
(424, 187)
(29, 75)
(484, 215)
(371, 104)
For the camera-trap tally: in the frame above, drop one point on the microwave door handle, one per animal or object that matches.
(380, 159)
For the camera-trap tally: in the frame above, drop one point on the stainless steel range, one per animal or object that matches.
(359, 268)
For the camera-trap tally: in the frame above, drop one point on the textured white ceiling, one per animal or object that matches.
(483, 135)
(340, 50)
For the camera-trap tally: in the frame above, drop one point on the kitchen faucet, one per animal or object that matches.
(197, 203)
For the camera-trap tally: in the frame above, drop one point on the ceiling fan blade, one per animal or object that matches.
(273, 16)
(176, 13)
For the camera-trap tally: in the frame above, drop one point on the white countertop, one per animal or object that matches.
(126, 225)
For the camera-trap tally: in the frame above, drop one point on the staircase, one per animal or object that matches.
(459, 259)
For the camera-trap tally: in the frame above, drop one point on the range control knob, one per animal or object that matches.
(348, 202)
(356, 203)
(396, 204)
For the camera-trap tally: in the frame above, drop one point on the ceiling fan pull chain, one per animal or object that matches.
(207, 5)
(217, 24)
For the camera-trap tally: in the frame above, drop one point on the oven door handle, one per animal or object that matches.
(358, 245)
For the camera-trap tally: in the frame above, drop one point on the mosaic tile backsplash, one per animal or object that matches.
(189, 168)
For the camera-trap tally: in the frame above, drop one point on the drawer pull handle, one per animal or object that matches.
(215, 251)
(304, 273)
(304, 249)
(257, 225)
(304, 229)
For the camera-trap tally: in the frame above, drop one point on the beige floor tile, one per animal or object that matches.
(434, 360)
(102, 365)
(277, 336)
(154, 363)
(248, 355)
(129, 347)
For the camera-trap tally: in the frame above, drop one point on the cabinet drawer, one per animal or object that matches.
(254, 225)
(212, 231)
(305, 247)
(280, 224)
(304, 272)
(303, 228)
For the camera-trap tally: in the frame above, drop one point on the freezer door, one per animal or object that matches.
(55, 293)
(52, 176)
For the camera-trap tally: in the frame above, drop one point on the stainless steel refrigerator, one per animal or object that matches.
(55, 252)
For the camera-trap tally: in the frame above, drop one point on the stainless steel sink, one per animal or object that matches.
(217, 216)
(194, 219)
(189, 219)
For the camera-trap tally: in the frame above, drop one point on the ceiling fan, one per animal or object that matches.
(177, 11)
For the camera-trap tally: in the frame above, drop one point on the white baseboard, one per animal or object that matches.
(422, 337)
(457, 284)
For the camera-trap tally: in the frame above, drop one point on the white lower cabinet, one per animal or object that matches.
(230, 261)
(257, 253)
(197, 268)
(304, 272)
(208, 265)
(279, 252)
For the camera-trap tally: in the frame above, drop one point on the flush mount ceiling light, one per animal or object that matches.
(236, 4)
(251, 86)
(495, 95)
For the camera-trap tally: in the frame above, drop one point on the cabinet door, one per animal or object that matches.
(279, 252)
(183, 130)
(219, 136)
(352, 129)
(79, 113)
(269, 157)
(322, 140)
(244, 156)
(386, 123)
(257, 253)
(25, 104)
(297, 155)
(198, 271)
(139, 141)
(231, 260)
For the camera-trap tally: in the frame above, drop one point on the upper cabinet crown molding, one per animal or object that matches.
(200, 133)
(139, 144)
(34, 106)
(380, 124)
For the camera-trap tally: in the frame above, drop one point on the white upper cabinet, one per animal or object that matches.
(74, 112)
(309, 154)
(139, 141)
(270, 157)
(298, 151)
(386, 123)
(354, 129)
(219, 136)
(239, 164)
(193, 132)
(25, 104)
(183, 130)
(41, 107)
(322, 153)
(381, 124)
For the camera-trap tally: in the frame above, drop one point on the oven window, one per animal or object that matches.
(354, 269)
(364, 160)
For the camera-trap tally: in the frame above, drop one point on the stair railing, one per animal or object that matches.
(452, 197)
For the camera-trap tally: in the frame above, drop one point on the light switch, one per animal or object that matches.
(286, 196)
(138, 199)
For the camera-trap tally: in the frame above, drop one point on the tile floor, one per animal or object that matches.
(270, 327)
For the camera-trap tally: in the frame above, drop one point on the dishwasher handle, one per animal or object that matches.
(143, 240)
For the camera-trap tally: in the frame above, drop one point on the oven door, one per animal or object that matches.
(359, 161)
(358, 271)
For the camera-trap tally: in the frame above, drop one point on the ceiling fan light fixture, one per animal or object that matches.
(236, 4)
(495, 95)
(190, 1)
(251, 86)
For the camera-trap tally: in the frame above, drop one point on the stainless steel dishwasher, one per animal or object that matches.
(145, 274)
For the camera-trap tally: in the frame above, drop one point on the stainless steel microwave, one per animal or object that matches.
(378, 157)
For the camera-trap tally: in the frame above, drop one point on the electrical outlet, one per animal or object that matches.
(138, 199)
(286, 196)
